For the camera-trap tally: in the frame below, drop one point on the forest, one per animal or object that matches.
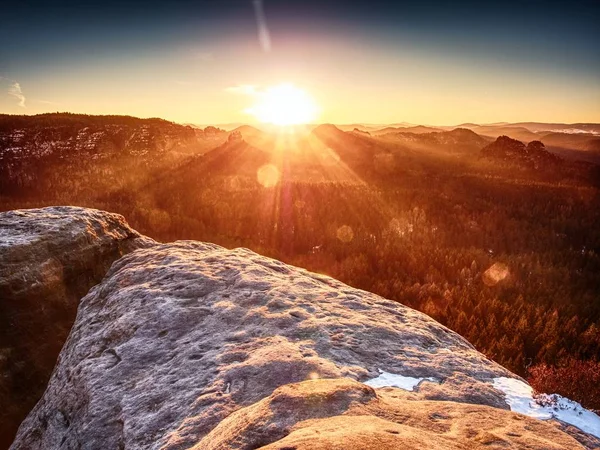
(504, 252)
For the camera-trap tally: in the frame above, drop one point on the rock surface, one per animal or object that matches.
(49, 259)
(191, 345)
(345, 414)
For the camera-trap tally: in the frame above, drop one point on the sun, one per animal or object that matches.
(284, 104)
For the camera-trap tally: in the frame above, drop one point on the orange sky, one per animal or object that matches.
(353, 74)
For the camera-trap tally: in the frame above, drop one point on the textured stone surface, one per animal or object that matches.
(345, 414)
(49, 258)
(177, 337)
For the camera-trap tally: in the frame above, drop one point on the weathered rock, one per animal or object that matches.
(178, 337)
(49, 259)
(344, 414)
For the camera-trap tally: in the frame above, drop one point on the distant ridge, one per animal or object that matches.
(419, 129)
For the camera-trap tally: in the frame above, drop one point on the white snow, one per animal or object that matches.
(394, 380)
(520, 398)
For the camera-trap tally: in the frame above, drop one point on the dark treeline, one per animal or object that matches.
(507, 257)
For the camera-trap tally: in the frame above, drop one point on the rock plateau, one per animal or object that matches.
(189, 345)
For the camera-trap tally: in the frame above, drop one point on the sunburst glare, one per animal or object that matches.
(283, 105)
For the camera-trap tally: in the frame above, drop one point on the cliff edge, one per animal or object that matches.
(49, 259)
(190, 345)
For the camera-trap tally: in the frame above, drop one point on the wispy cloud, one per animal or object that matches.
(15, 90)
(48, 102)
(244, 89)
(264, 37)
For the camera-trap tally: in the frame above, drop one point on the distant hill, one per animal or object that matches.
(533, 155)
(457, 140)
(570, 140)
(535, 127)
(519, 133)
(419, 129)
(358, 150)
(254, 136)
(582, 142)
(373, 126)
(41, 149)
(593, 128)
(76, 135)
(250, 155)
(360, 126)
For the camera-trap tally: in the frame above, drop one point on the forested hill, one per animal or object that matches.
(49, 146)
(505, 250)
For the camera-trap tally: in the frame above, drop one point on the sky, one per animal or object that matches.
(381, 62)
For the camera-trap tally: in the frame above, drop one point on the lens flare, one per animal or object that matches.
(345, 234)
(268, 175)
(495, 274)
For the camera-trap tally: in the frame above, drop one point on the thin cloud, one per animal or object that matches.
(48, 102)
(15, 90)
(264, 37)
(244, 89)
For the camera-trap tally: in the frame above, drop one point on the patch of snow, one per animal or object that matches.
(520, 398)
(386, 379)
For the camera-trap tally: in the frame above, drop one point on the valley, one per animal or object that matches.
(420, 218)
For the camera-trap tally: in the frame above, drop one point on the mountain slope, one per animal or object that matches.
(459, 140)
(419, 129)
(519, 133)
(36, 151)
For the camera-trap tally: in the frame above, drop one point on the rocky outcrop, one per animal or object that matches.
(322, 414)
(235, 136)
(49, 259)
(98, 152)
(75, 136)
(191, 345)
(510, 151)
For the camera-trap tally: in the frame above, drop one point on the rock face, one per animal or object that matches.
(35, 151)
(235, 136)
(191, 345)
(533, 155)
(82, 136)
(49, 259)
(322, 414)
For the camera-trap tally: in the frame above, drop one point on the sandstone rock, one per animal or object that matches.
(235, 136)
(533, 155)
(344, 414)
(49, 258)
(189, 344)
